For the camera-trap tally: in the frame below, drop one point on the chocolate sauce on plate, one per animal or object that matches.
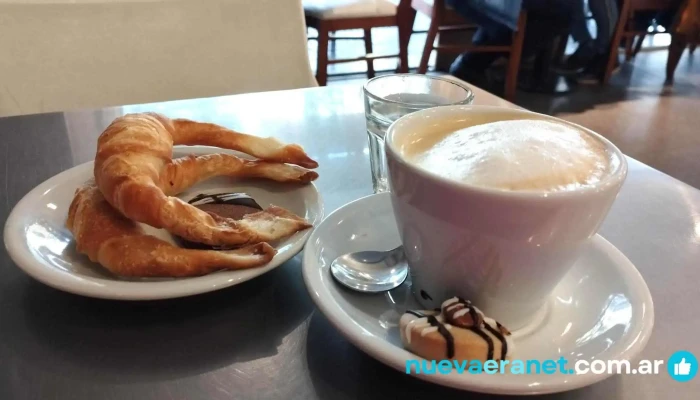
(226, 205)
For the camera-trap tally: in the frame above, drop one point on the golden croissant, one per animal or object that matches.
(121, 246)
(135, 172)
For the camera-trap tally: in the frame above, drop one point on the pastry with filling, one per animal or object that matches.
(137, 175)
(458, 331)
(225, 205)
(125, 249)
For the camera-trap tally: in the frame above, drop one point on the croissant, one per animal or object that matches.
(135, 172)
(121, 246)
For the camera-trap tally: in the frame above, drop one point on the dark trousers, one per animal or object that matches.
(546, 18)
(605, 15)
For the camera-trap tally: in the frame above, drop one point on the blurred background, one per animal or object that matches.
(627, 69)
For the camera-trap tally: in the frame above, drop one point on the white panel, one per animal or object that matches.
(61, 55)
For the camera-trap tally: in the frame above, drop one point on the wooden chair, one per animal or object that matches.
(445, 19)
(625, 30)
(632, 49)
(328, 16)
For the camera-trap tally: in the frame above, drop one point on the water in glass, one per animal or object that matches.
(390, 97)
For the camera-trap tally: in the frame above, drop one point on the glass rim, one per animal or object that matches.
(469, 96)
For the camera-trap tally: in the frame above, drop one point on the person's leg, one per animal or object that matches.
(467, 66)
(579, 25)
(547, 18)
(557, 17)
(554, 8)
(605, 14)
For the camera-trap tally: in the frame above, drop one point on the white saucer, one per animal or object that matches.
(601, 310)
(38, 242)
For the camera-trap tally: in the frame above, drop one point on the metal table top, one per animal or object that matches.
(264, 338)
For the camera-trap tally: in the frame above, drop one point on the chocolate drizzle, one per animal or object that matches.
(499, 335)
(455, 314)
(449, 339)
(472, 311)
(462, 314)
(487, 338)
(416, 313)
(239, 199)
(226, 205)
(442, 330)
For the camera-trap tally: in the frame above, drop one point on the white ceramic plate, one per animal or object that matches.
(601, 310)
(38, 241)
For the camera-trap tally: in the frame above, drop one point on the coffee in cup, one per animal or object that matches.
(517, 155)
(496, 204)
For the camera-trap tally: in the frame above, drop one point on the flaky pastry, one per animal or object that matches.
(121, 245)
(135, 172)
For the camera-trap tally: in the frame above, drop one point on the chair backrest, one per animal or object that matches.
(641, 5)
(67, 54)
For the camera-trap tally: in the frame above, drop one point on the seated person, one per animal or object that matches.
(497, 19)
(591, 54)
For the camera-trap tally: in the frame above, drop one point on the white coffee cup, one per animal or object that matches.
(503, 250)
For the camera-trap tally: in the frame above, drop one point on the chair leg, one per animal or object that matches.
(368, 50)
(322, 57)
(628, 48)
(638, 44)
(332, 43)
(675, 51)
(615, 42)
(406, 18)
(429, 43)
(516, 51)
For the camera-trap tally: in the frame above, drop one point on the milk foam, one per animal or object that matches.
(518, 155)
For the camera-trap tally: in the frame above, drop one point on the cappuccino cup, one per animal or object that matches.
(495, 204)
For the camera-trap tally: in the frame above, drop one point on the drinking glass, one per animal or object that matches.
(390, 97)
